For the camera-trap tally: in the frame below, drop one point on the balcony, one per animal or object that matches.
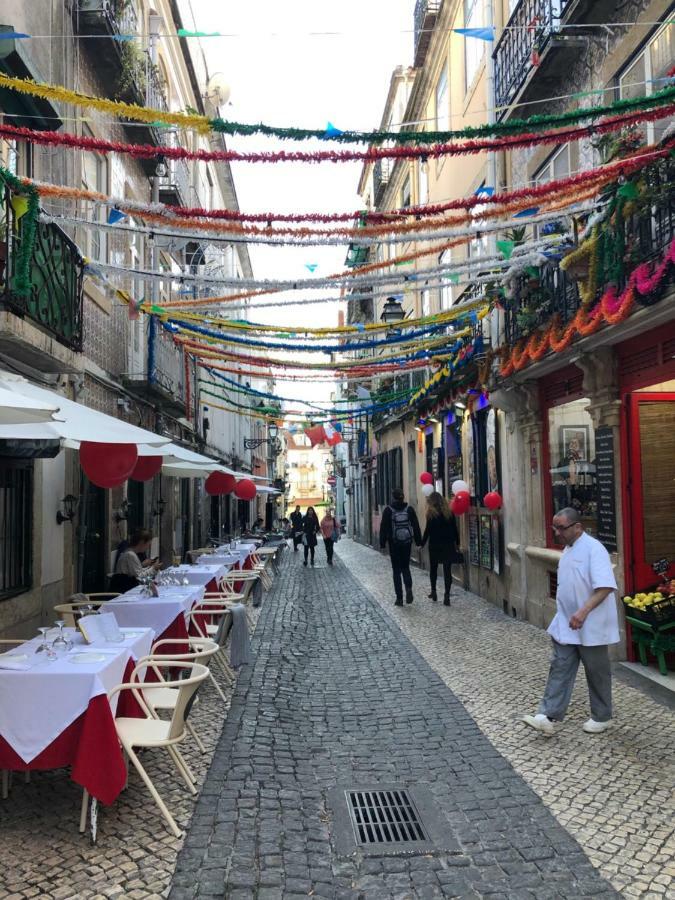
(127, 70)
(532, 54)
(175, 188)
(55, 302)
(381, 173)
(424, 22)
(554, 292)
(164, 383)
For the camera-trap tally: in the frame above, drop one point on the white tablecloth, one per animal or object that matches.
(134, 609)
(200, 574)
(38, 704)
(225, 554)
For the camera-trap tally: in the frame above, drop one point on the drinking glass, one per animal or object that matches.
(61, 643)
(44, 646)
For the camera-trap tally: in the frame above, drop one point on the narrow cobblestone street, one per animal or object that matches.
(339, 697)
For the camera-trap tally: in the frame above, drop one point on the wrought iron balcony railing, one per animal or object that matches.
(381, 173)
(424, 20)
(554, 293)
(165, 380)
(528, 33)
(112, 17)
(55, 302)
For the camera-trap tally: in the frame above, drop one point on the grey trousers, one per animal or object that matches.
(563, 672)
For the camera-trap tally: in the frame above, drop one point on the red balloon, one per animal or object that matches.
(492, 500)
(220, 483)
(459, 506)
(427, 478)
(245, 489)
(146, 468)
(463, 497)
(107, 465)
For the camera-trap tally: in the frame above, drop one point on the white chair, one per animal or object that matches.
(73, 610)
(155, 733)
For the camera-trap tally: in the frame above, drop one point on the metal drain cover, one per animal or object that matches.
(384, 817)
(388, 820)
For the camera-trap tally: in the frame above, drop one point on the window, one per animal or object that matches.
(558, 165)
(389, 474)
(425, 302)
(95, 178)
(571, 478)
(16, 526)
(442, 103)
(646, 74)
(485, 450)
(473, 47)
(423, 182)
(446, 299)
(405, 192)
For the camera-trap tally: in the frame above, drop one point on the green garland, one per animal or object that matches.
(22, 285)
(513, 126)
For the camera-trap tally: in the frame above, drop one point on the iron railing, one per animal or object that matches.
(55, 302)
(424, 20)
(116, 17)
(531, 26)
(554, 293)
(166, 366)
(381, 173)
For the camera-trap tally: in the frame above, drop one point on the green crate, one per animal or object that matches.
(658, 614)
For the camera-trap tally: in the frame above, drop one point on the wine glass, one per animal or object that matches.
(61, 643)
(44, 646)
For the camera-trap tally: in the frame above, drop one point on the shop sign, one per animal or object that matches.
(606, 486)
(437, 463)
(455, 470)
(661, 566)
(474, 546)
(485, 537)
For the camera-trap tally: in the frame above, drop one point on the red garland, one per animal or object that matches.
(147, 151)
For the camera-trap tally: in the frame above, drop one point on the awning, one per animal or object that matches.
(22, 109)
(18, 409)
(75, 422)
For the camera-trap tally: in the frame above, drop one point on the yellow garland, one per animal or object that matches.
(114, 107)
(588, 250)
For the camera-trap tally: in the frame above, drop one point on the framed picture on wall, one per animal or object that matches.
(574, 443)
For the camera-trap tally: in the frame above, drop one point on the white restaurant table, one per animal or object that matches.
(200, 574)
(39, 701)
(135, 609)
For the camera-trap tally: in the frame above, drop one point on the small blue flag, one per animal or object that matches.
(115, 216)
(12, 35)
(484, 191)
(532, 211)
(332, 131)
(311, 266)
(483, 34)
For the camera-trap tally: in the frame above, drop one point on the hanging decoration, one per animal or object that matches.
(107, 465)
(146, 468)
(28, 213)
(459, 507)
(427, 489)
(492, 501)
(427, 478)
(245, 489)
(220, 483)
(204, 125)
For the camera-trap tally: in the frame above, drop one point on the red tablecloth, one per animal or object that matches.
(88, 745)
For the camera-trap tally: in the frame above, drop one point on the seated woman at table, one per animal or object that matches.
(128, 566)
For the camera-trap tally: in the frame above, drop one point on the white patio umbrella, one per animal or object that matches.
(17, 409)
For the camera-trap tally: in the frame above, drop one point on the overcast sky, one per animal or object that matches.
(301, 79)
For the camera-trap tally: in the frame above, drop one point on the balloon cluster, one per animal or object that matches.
(461, 500)
(220, 483)
(427, 480)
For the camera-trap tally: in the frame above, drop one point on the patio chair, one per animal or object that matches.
(212, 619)
(73, 610)
(153, 733)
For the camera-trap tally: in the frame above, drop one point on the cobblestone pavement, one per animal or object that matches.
(338, 697)
(614, 792)
(42, 854)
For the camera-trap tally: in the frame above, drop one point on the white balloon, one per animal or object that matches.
(428, 489)
(459, 485)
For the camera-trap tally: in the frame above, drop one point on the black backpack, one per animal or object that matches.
(401, 527)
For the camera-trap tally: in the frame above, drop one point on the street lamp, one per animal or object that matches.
(392, 312)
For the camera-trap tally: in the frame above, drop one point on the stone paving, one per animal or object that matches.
(42, 854)
(614, 793)
(338, 697)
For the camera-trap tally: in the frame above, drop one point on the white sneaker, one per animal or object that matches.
(593, 727)
(542, 723)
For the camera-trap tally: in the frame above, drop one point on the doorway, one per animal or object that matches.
(651, 486)
(92, 540)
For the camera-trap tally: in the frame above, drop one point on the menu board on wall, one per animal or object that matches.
(606, 486)
(474, 549)
(455, 470)
(485, 537)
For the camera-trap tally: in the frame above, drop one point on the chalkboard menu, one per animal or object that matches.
(485, 532)
(455, 470)
(604, 474)
(474, 548)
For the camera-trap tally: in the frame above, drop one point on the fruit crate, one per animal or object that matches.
(658, 614)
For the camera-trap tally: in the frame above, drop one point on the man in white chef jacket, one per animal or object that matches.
(585, 624)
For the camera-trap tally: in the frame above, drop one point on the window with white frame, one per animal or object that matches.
(425, 302)
(474, 48)
(558, 165)
(445, 292)
(442, 101)
(95, 178)
(646, 74)
(478, 245)
(423, 181)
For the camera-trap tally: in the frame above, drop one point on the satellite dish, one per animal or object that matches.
(218, 90)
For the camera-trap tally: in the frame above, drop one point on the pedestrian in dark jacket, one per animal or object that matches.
(310, 529)
(296, 525)
(399, 528)
(441, 532)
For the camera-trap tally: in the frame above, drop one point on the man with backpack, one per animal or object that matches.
(400, 528)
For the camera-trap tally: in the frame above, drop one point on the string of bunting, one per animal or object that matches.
(204, 125)
(612, 308)
(372, 154)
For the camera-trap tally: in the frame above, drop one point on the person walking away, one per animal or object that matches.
(129, 569)
(330, 529)
(443, 537)
(399, 528)
(296, 524)
(310, 529)
(585, 624)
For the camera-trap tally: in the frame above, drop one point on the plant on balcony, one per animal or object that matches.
(616, 145)
(132, 78)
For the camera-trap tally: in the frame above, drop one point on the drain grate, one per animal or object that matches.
(384, 817)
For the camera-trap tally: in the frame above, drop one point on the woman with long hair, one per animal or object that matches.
(310, 529)
(128, 566)
(441, 532)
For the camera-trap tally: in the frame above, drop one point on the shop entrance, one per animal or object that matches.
(651, 486)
